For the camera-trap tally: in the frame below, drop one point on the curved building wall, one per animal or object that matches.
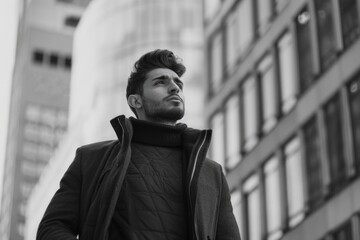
(112, 36)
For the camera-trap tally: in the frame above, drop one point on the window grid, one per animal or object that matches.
(236, 202)
(304, 49)
(216, 63)
(268, 91)
(252, 202)
(327, 48)
(326, 32)
(354, 101)
(217, 145)
(313, 163)
(232, 128)
(294, 182)
(334, 142)
(273, 204)
(251, 114)
(349, 21)
(286, 69)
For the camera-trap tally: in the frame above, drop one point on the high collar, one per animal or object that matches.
(157, 134)
(124, 131)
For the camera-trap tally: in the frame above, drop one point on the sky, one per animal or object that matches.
(8, 31)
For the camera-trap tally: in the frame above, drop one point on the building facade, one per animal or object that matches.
(284, 105)
(39, 103)
(110, 37)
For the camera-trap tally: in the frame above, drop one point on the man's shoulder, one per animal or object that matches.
(98, 146)
(211, 164)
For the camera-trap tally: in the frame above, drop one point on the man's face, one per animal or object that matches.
(163, 98)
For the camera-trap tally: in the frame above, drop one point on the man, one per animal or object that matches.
(154, 182)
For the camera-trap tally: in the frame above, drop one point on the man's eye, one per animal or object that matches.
(159, 82)
(180, 86)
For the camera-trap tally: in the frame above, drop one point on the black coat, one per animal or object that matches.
(85, 202)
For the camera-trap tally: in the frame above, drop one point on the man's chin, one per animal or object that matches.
(175, 114)
(172, 114)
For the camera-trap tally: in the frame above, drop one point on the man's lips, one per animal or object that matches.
(173, 97)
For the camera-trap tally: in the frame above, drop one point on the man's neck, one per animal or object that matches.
(160, 121)
(157, 134)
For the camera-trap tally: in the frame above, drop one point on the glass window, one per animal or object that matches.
(268, 93)
(48, 117)
(33, 112)
(326, 32)
(61, 118)
(251, 116)
(237, 209)
(72, 21)
(31, 131)
(334, 141)
(350, 23)
(38, 56)
(30, 168)
(253, 214)
(217, 149)
(30, 150)
(246, 25)
(304, 49)
(232, 40)
(45, 153)
(294, 182)
(211, 7)
(287, 71)
(263, 14)
(354, 95)
(233, 156)
(53, 59)
(59, 133)
(313, 162)
(67, 62)
(272, 196)
(26, 188)
(216, 62)
(46, 135)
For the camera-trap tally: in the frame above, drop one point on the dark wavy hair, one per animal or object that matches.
(149, 61)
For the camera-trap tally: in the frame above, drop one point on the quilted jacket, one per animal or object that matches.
(85, 202)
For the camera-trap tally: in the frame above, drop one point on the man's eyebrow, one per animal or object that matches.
(177, 79)
(160, 77)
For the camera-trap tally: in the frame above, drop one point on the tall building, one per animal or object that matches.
(39, 102)
(284, 105)
(110, 37)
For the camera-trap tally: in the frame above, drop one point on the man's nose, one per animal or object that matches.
(174, 88)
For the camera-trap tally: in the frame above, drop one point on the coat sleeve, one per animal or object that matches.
(227, 228)
(61, 218)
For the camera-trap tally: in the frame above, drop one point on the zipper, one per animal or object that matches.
(191, 179)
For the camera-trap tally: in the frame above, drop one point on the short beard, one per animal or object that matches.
(158, 114)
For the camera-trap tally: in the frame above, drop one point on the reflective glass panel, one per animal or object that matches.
(287, 72)
(251, 116)
(216, 62)
(233, 156)
(304, 48)
(217, 144)
(268, 93)
(273, 201)
(326, 32)
(294, 182)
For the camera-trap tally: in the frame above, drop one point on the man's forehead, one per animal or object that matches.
(158, 72)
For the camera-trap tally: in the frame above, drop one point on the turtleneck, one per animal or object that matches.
(157, 134)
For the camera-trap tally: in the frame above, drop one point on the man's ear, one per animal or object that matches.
(135, 101)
